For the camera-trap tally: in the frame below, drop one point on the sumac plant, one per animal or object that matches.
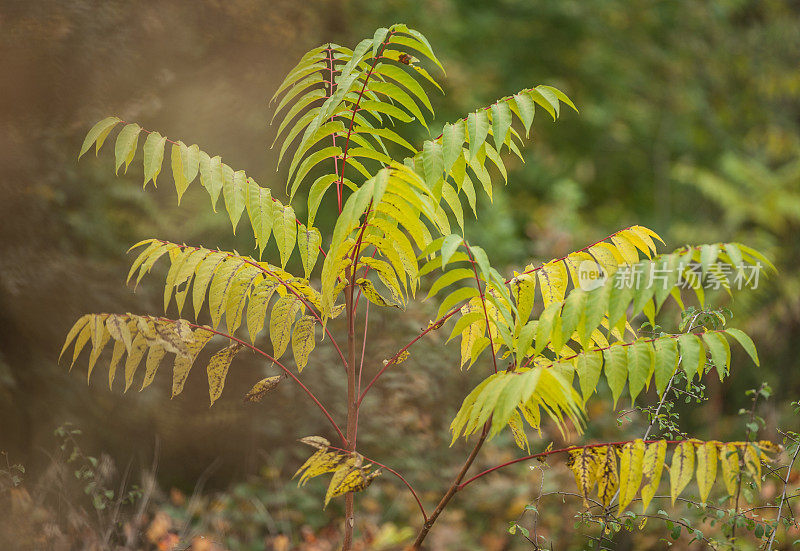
(543, 339)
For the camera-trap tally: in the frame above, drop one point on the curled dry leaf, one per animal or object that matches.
(262, 387)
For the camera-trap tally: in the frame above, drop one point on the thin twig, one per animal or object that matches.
(783, 496)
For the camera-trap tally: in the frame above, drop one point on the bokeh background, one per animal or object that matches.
(688, 124)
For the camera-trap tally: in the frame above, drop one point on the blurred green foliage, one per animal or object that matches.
(689, 125)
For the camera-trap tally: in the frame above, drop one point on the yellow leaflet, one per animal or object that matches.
(135, 356)
(626, 249)
(303, 341)
(280, 324)
(469, 337)
(752, 462)
(349, 479)
(523, 288)
(183, 363)
(118, 329)
(321, 462)
(257, 306)
(218, 369)
(100, 337)
(607, 257)
(681, 469)
(261, 388)
(154, 357)
(583, 464)
(116, 356)
(520, 438)
(607, 478)
(652, 467)
(372, 294)
(729, 456)
(553, 282)
(631, 465)
(706, 467)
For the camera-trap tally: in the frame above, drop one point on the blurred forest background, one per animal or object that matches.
(688, 124)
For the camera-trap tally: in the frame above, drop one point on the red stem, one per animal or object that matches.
(276, 362)
(361, 368)
(333, 136)
(355, 109)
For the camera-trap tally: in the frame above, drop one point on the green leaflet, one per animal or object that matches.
(234, 190)
(640, 362)
(453, 137)
(666, 362)
(317, 192)
(211, 177)
(720, 352)
(433, 163)
(261, 211)
(587, 367)
(693, 355)
(401, 77)
(284, 230)
(257, 306)
(478, 129)
(153, 151)
(501, 123)
(125, 147)
(308, 243)
(397, 94)
(746, 342)
(616, 370)
(526, 109)
(97, 135)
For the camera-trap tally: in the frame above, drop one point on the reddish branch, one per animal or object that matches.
(451, 491)
(276, 362)
(361, 368)
(331, 84)
(355, 110)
